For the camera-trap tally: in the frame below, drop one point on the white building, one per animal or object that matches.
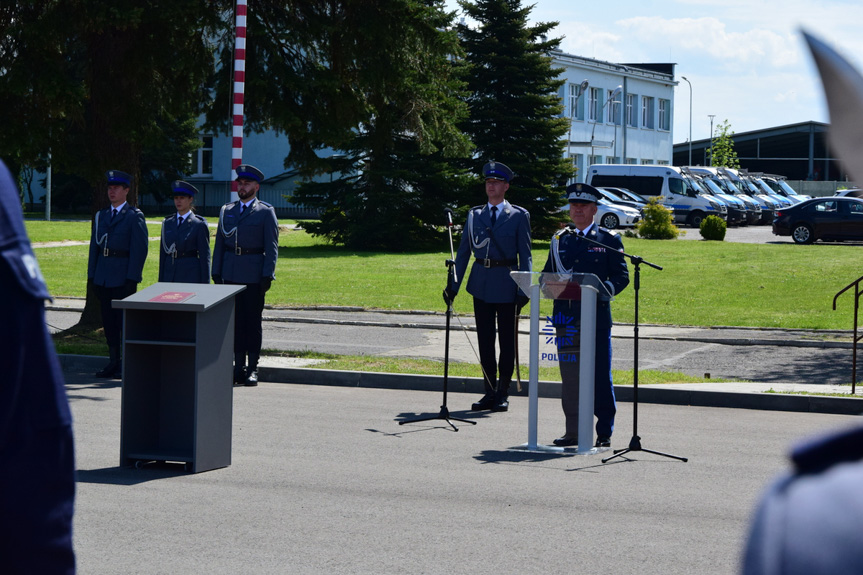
(619, 113)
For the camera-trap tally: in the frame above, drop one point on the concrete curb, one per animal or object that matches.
(659, 394)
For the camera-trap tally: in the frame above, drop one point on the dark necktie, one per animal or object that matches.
(242, 209)
(113, 213)
(493, 215)
(180, 221)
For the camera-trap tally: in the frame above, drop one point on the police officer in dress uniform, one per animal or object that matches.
(185, 253)
(497, 234)
(118, 249)
(810, 519)
(37, 461)
(246, 251)
(571, 253)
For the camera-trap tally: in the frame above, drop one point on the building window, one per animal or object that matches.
(595, 160)
(646, 161)
(631, 161)
(665, 115)
(613, 108)
(662, 162)
(202, 158)
(647, 112)
(631, 119)
(576, 112)
(593, 104)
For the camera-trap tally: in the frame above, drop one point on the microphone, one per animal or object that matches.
(448, 213)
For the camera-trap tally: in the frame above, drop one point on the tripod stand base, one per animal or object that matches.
(635, 445)
(443, 415)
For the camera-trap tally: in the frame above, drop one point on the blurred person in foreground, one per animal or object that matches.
(37, 460)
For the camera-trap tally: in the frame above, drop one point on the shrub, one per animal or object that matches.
(657, 223)
(713, 228)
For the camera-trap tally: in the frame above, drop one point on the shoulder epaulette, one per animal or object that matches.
(265, 203)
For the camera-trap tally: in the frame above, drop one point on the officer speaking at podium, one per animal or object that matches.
(570, 253)
(497, 234)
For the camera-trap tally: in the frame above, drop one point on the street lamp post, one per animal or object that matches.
(611, 98)
(711, 116)
(581, 90)
(690, 118)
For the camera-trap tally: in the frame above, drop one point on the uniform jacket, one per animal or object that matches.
(193, 236)
(511, 241)
(257, 230)
(580, 256)
(127, 233)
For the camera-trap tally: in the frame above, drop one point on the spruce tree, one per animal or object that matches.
(515, 110)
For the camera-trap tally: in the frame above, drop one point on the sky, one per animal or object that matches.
(746, 59)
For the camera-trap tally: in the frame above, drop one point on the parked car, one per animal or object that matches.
(735, 206)
(851, 193)
(612, 216)
(831, 218)
(780, 186)
(612, 196)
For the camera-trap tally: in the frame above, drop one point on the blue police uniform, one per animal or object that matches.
(37, 464)
(810, 519)
(118, 249)
(184, 255)
(246, 252)
(497, 248)
(571, 254)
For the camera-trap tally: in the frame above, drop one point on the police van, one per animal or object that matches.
(674, 189)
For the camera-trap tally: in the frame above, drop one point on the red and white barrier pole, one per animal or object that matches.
(239, 94)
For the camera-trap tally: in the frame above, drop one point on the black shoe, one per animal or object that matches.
(488, 402)
(501, 405)
(566, 441)
(239, 376)
(252, 378)
(603, 441)
(108, 371)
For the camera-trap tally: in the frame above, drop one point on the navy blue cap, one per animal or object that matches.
(576, 193)
(497, 171)
(182, 188)
(118, 177)
(247, 172)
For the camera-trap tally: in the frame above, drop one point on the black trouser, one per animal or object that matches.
(112, 319)
(248, 332)
(496, 319)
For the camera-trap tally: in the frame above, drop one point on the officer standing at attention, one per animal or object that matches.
(571, 253)
(498, 236)
(118, 249)
(246, 251)
(37, 459)
(185, 253)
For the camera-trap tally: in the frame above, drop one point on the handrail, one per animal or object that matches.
(856, 285)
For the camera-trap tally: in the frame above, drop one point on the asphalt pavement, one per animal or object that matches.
(324, 479)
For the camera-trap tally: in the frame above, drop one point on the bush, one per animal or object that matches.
(657, 223)
(713, 228)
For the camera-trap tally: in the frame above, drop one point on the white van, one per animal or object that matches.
(673, 188)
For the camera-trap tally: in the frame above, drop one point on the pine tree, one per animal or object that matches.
(515, 110)
(722, 152)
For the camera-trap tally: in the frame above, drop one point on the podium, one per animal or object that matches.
(177, 399)
(587, 288)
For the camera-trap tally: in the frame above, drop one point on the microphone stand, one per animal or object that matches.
(635, 442)
(451, 280)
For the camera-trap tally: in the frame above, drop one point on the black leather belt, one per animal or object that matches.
(188, 254)
(240, 251)
(497, 263)
(115, 253)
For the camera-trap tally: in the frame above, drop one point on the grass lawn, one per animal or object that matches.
(702, 283)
